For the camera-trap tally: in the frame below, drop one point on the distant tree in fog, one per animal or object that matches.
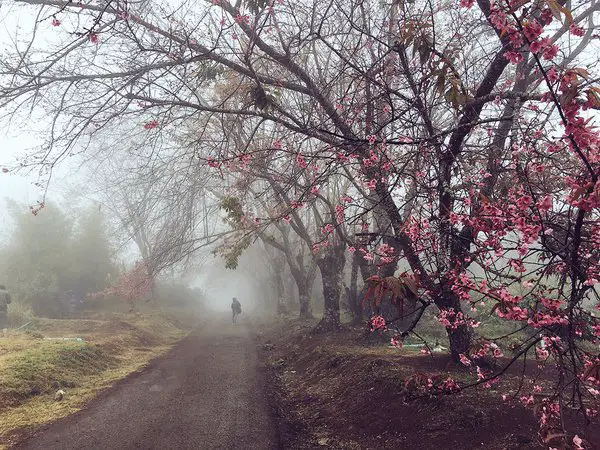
(52, 252)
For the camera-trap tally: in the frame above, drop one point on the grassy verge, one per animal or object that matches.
(34, 364)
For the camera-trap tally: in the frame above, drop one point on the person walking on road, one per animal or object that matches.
(236, 309)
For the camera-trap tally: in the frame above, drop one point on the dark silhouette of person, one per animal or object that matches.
(236, 309)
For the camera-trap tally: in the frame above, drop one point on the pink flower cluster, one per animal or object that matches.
(377, 323)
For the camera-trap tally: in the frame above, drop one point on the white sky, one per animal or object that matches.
(18, 138)
(18, 187)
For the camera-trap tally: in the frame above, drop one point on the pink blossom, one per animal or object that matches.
(550, 52)
(542, 353)
(454, 218)
(245, 19)
(467, 3)
(524, 202)
(553, 75)
(545, 204)
(464, 360)
(532, 30)
(576, 30)
(301, 161)
(368, 162)
(547, 16)
(536, 46)
(480, 374)
(342, 157)
(328, 228)
(151, 125)
(514, 57)
(396, 341)
(450, 385)
(527, 400)
(496, 351)
(55, 22)
(377, 323)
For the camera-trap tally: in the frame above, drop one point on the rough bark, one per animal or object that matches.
(304, 299)
(279, 287)
(461, 337)
(353, 301)
(331, 267)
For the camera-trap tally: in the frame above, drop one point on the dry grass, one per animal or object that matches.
(33, 367)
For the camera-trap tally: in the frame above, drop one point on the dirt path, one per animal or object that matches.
(206, 393)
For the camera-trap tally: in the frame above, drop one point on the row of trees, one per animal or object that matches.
(54, 252)
(56, 257)
(454, 139)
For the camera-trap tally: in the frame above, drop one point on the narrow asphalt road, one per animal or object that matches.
(206, 393)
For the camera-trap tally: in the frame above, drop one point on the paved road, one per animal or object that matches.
(206, 393)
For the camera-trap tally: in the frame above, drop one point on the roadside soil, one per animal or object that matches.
(333, 391)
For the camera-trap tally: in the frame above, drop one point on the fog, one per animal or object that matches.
(249, 283)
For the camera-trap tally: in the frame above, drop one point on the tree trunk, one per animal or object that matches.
(331, 267)
(304, 298)
(460, 341)
(355, 306)
(279, 288)
(459, 338)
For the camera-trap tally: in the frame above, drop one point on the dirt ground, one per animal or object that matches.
(335, 392)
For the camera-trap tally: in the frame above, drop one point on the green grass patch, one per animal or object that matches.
(49, 367)
(32, 368)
